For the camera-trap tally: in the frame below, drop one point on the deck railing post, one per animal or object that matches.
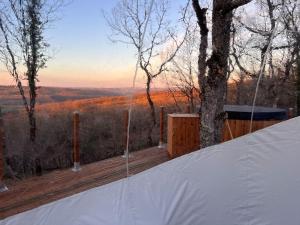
(125, 118)
(2, 185)
(76, 142)
(161, 133)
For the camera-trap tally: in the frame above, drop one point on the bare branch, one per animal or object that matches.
(237, 3)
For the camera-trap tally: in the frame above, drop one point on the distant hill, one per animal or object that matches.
(140, 99)
(84, 99)
(10, 99)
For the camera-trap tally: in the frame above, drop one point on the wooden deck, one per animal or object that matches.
(36, 191)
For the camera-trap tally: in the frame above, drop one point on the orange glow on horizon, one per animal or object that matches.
(88, 79)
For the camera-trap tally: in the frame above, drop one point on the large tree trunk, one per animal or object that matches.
(202, 22)
(298, 83)
(213, 86)
(212, 115)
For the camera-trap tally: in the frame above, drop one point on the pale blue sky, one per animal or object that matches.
(82, 53)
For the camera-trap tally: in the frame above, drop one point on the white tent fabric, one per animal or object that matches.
(253, 180)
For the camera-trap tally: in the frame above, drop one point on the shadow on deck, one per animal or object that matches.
(36, 191)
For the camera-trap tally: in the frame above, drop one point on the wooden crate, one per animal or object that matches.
(183, 134)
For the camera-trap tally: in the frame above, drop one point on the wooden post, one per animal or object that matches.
(2, 185)
(126, 118)
(76, 142)
(161, 135)
(291, 113)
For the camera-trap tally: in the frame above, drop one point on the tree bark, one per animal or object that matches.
(298, 82)
(32, 128)
(33, 60)
(213, 86)
(152, 110)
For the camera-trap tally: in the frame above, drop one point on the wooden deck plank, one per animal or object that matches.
(36, 191)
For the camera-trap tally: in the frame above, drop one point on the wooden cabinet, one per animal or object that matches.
(183, 134)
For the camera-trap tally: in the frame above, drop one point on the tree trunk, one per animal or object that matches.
(215, 84)
(298, 83)
(202, 22)
(152, 111)
(31, 113)
(32, 128)
(212, 115)
(33, 59)
(297, 71)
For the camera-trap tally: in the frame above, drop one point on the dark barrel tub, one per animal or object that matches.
(239, 119)
(243, 112)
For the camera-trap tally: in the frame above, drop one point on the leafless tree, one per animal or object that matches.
(213, 84)
(183, 72)
(260, 38)
(24, 49)
(128, 21)
(291, 19)
(251, 38)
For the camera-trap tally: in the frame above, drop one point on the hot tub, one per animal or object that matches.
(239, 119)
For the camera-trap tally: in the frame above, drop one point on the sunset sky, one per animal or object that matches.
(83, 56)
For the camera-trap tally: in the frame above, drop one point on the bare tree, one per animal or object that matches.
(183, 71)
(260, 32)
(128, 23)
(291, 18)
(251, 36)
(213, 85)
(22, 26)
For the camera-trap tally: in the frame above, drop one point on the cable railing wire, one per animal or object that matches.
(133, 86)
(261, 74)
